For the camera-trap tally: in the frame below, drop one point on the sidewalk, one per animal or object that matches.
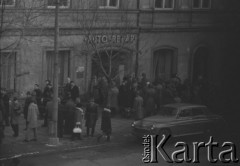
(15, 147)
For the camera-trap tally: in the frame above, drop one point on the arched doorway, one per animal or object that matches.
(164, 63)
(114, 63)
(200, 64)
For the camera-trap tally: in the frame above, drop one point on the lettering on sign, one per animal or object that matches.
(103, 39)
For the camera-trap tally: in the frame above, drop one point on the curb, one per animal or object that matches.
(53, 151)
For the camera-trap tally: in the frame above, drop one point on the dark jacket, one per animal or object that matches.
(106, 125)
(47, 92)
(26, 105)
(74, 92)
(91, 115)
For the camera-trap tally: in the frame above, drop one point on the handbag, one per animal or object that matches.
(77, 130)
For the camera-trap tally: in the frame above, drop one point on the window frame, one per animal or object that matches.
(13, 5)
(110, 7)
(163, 8)
(60, 7)
(201, 5)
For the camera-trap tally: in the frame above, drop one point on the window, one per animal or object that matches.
(62, 3)
(7, 2)
(186, 113)
(201, 4)
(164, 4)
(63, 63)
(164, 63)
(8, 70)
(109, 4)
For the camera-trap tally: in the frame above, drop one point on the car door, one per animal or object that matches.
(201, 122)
(183, 123)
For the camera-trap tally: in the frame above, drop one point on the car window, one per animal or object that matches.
(168, 111)
(198, 111)
(186, 113)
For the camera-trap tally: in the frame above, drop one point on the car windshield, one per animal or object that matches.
(168, 111)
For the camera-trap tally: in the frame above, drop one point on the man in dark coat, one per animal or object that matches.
(60, 118)
(69, 115)
(91, 116)
(2, 110)
(5, 99)
(106, 125)
(47, 93)
(74, 91)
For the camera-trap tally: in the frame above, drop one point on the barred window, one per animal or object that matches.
(201, 4)
(7, 2)
(164, 4)
(109, 3)
(62, 3)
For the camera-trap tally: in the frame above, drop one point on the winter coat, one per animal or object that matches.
(49, 109)
(106, 125)
(91, 115)
(69, 115)
(15, 113)
(32, 117)
(113, 97)
(79, 116)
(138, 107)
(26, 105)
(74, 92)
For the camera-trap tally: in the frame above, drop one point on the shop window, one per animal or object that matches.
(62, 3)
(201, 4)
(109, 3)
(164, 4)
(63, 64)
(8, 70)
(164, 63)
(7, 3)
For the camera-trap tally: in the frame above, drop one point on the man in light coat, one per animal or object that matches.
(32, 120)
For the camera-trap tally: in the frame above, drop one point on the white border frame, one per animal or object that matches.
(60, 7)
(201, 8)
(163, 8)
(110, 7)
(13, 5)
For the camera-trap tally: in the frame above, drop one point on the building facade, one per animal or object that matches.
(190, 38)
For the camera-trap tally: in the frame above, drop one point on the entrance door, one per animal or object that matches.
(164, 63)
(113, 62)
(8, 70)
(63, 63)
(200, 63)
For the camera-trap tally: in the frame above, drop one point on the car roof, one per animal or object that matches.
(183, 105)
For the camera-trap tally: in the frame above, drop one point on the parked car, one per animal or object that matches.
(179, 120)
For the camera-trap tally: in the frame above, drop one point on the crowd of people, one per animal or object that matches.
(133, 98)
(39, 105)
(139, 98)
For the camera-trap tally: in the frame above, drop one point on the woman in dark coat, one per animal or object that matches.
(91, 116)
(106, 125)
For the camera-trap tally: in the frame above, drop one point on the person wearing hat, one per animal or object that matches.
(47, 93)
(91, 116)
(15, 116)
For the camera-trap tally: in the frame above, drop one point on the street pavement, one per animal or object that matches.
(13, 147)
